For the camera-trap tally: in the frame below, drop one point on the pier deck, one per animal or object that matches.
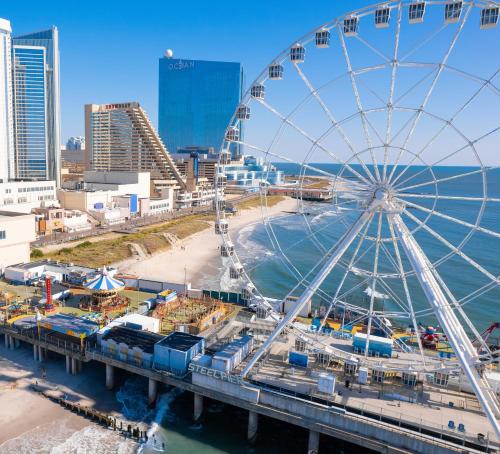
(342, 419)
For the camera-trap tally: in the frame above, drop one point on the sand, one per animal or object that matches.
(196, 257)
(30, 421)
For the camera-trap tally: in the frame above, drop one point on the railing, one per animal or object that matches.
(57, 238)
(401, 420)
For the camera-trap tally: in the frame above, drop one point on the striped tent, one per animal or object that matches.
(104, 283)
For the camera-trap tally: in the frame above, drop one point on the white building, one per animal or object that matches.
(23, 196)
(6, 113)
(122, 182)
(76, 221)
(17, 231)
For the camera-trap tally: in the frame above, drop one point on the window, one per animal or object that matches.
(416, 12)
(350, 26)
(382, 17)
(452, 12)
(2, 235)
(489, 17)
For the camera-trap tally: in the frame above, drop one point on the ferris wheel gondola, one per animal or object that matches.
(402, 225)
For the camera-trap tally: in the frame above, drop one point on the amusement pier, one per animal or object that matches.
(212, 336)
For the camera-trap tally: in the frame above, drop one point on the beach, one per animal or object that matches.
(197, 258)
(32, 423)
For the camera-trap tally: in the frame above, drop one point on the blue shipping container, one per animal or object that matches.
(98, 206)
(133, 203)
(298, 359)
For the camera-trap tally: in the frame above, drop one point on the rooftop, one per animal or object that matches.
(11, 214)
(180, 341)
(134, 338)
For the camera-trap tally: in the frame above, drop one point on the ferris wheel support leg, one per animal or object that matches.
(311, 289)
(452, 327)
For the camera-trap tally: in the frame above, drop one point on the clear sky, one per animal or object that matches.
(110, 50)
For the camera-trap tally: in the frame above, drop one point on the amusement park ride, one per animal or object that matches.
(388, 98)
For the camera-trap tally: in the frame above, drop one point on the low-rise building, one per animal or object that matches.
(23, 196)
(17, 231)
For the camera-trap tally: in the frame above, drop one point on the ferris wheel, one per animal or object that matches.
(388, 120)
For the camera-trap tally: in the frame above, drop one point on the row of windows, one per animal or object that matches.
(2, 235)
(31, 189)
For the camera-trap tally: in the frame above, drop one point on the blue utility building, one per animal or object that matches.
(175, 352)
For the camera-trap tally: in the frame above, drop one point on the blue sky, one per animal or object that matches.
(110, 50)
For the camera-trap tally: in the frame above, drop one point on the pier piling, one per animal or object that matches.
(110, 376)
(313, 444)
(198, 406)
(152, 392)
(35, 352)
(253, 422)
(68, 364)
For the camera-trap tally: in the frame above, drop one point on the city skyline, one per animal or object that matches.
(123, 66)
(193, 31)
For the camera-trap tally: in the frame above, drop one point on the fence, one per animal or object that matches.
(57, 238)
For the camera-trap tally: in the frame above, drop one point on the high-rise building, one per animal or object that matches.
(120, 137)
(6, 119)
(30, 113)
(28, 49)
(196, 101)
(75, 143)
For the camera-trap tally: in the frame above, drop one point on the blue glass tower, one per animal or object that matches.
(30, 122)
(196, 101)
(46, 41)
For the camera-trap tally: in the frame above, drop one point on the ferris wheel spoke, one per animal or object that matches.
(357, 98)
(374, 283)
(453, 248)
(460, 342)
(453, 153)
(332, 119)
(372, 47)
(291, 161)
(347, 271)
(337, 253)
(441, 180)
(390, 101)
(446, 124)
(313, 141)
(454, 220)
(414, 86)
(431, 88)
(406, 289)
(422, 43)
(447, 197)
(470, 261)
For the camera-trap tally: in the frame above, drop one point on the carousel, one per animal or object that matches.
(104, 294)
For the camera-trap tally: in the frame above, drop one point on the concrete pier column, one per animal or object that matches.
(110, 376)
(198, 406)
(152, 392)
(313, 444)
(75, 366)
(41, 353)
(35, 352)
(7, 341)
(253, 422)
(12, 343)
(17, 343)
(68, 364)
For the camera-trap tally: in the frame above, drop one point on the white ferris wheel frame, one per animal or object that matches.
(385, 198)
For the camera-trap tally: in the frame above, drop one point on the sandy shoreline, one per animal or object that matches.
(32, 423)
(196, 257)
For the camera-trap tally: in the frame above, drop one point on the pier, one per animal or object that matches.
(365, 428)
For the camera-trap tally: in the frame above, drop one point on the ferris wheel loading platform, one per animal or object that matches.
(352, 419)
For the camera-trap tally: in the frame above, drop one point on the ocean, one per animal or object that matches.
(303, 239)
(223, 428)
